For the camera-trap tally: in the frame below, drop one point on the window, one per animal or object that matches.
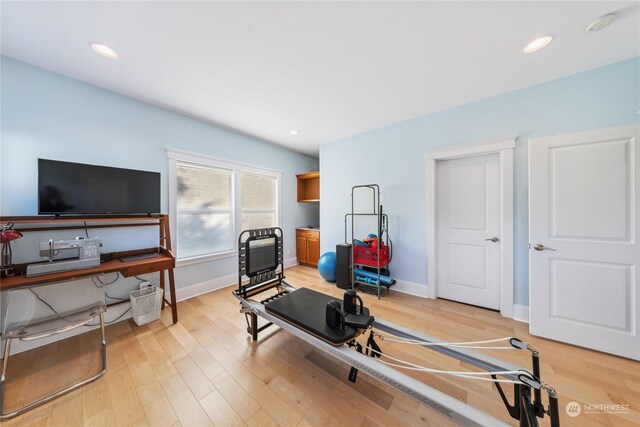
(258, 201)
(212, 201)
(204, 211)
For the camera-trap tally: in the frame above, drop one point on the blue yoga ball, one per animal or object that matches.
(327, 266)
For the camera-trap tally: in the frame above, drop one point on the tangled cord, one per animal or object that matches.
(104, 285)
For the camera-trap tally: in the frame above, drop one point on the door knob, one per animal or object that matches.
(493, 239)
(540, 247)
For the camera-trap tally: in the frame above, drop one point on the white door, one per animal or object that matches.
(468, 225)
(583, 227)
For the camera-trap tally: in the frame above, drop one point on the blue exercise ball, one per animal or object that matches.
(327, 266)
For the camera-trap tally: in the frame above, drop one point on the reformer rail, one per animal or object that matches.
(260, 260)
(449, 407)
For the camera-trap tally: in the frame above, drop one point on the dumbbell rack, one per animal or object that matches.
(381, 219)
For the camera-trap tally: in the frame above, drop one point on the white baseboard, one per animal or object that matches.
(290, 262)
(521, 313)
(410, 288)
(197, 289)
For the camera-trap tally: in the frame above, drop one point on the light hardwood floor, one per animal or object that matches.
(206, 371)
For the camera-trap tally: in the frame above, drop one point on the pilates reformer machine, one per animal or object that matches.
(333, 326)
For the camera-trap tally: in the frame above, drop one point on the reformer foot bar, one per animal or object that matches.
(260, 259)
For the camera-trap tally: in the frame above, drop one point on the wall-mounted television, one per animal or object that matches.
(76, 188)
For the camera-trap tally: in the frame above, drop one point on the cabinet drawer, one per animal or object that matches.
(308, 233)
(143, 269)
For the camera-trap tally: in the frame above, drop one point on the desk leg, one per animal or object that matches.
(162, 286)
(165, 234)
(172, 291)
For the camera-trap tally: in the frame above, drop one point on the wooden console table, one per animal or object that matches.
(163, 261)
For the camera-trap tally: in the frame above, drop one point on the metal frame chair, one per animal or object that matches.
(45, 328)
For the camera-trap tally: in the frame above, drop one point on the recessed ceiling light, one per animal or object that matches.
(293, 132)
(103, 50)
(600, 23)
(538, 44)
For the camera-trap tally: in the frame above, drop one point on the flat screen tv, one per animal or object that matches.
(75, 188)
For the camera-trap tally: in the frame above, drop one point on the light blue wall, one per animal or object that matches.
(46, 115)
(394, 156)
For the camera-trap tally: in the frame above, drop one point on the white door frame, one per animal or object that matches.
(504, 147)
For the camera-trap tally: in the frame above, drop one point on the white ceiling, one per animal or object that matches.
(327, 69)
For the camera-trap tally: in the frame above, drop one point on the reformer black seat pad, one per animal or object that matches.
(306, 309)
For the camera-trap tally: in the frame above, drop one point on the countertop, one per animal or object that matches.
(308, 229)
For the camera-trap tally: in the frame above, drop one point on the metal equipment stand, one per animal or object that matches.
(383, 222)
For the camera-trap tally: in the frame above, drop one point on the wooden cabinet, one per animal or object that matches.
(308, 246)
(301, 249)
(309, 187)
(313, 250)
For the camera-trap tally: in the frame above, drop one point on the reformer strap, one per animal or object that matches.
(515, 343)
(524, 377)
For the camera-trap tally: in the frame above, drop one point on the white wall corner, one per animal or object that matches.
(521, 313)
(411, 288)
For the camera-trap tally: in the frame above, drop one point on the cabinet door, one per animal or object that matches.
(301, 249)
(313, 246)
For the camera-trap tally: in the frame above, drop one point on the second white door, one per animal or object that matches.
(584, 200)
(468, 225)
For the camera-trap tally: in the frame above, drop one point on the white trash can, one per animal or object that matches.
(146, 304)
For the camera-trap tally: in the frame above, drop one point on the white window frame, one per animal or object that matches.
(237, 169)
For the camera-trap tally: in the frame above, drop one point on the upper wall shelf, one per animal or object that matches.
(309, 187)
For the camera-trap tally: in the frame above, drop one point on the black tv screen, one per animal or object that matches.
(75, 188)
